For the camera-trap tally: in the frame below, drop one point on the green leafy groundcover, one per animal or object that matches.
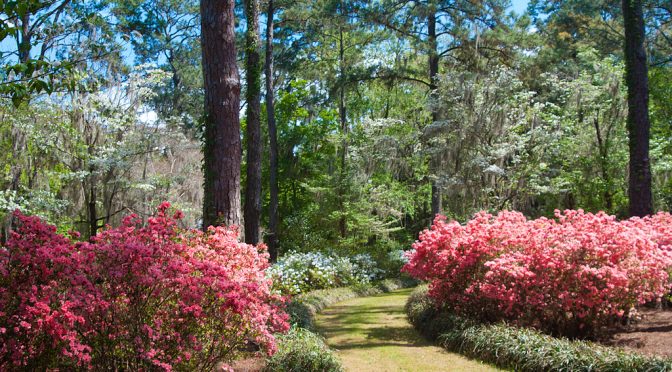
(302, 350)
(521, 349)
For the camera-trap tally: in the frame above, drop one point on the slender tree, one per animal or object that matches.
(221, 148)
(273, 138)
(253, 94)
(639, 188)
(343, 119)
(433, 63)
(428, 24)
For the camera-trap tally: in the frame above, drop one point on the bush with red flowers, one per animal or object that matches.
(135, 297)
(571, 275)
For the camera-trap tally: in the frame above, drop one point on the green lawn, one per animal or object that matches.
(372, 334)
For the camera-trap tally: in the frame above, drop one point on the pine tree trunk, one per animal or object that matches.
(253, 97)
(221, 148)
(273, 139)
(639, 190)
(343, 116)
(433, 62)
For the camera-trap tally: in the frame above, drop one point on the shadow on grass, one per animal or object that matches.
(367, 325)
(373, 334)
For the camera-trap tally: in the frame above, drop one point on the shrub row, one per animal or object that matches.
(572, 275)
(521, 349)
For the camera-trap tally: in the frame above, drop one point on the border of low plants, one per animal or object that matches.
(521, 349)
(304, 350)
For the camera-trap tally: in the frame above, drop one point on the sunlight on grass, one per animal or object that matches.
(372, 334)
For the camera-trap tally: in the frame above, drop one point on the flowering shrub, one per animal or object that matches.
(141, 297)
(658, 227)
(300, 272)
(569, 275)
(44, 290)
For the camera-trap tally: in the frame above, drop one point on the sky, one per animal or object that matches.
(519, 6)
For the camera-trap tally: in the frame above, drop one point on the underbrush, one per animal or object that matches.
(520, 349)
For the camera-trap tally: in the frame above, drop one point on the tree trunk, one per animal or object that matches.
(639, 190)
(253, 94)
(25, 44)
(221, 147)
(18, 137)
(92, 211)
(433, 62)
(342, 114)
(273, 139)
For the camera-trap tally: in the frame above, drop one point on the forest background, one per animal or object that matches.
(385, 113)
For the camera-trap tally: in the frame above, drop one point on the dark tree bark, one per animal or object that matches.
(221, 148)
(92, 210)
(253, 97)
(343, 117)
(639, 188)
(273, 139)
(433, 62)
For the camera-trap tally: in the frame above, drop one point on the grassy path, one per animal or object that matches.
(372, 334)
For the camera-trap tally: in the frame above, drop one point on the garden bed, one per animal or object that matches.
(522, 349)
(652, 335)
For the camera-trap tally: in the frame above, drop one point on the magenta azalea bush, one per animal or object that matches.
(134, 297)
(571, 275)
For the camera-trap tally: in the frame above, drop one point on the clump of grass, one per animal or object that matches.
(521, 349)
(301, 350)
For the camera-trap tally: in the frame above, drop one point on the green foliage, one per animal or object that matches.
(36, 60)
(380, 189)
(660, 85)
(521, 349)
(301, 350)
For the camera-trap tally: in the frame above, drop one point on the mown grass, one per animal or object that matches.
(304, 308)
(301, 349)
(373, 334)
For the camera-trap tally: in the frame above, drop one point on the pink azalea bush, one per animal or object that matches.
(570, 275)
(43, 297)
(134, 297)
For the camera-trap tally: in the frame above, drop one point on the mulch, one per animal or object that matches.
(251, 364)
(652, 335)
